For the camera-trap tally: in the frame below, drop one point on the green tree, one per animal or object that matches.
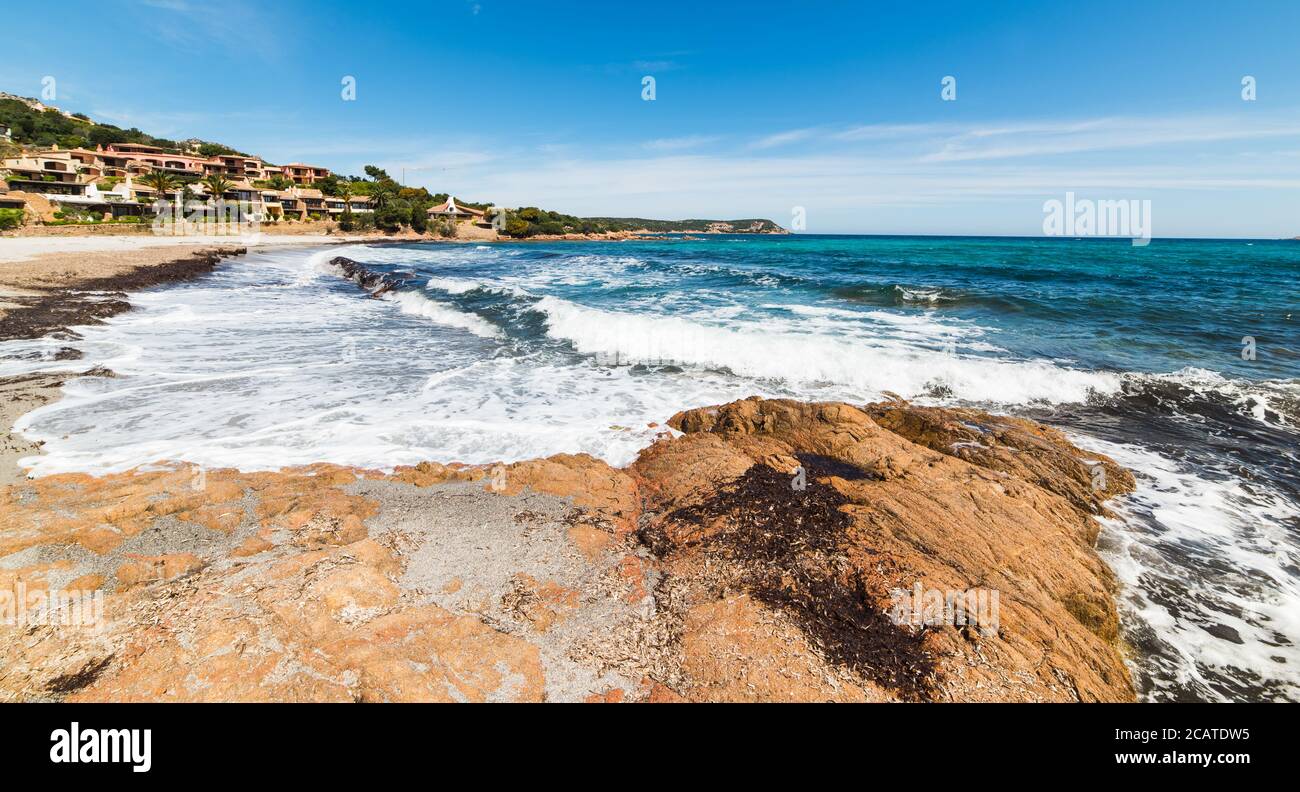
(162, 181)
(216, 150)
(217, 185)
(381, 195)
(345, 193)
(419, 218)
(104, 135)
(328, 185)
(392, 214)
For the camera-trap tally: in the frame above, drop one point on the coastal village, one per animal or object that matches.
(120, 182)
(110, 183)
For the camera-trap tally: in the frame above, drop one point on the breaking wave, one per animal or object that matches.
(417, 304)
(870, 365)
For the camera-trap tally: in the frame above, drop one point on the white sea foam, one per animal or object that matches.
(1242, 573)
(921, 295)
(453, 285)
(417, 304)
(463, 285)
(1275, 403)
(870, 365)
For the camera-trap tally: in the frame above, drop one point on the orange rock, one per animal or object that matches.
(540, 604)
(897, 513)
(251, 546)
(611, 696)
(90, 582)
(711, 575)
(592, 542)
(150, 569)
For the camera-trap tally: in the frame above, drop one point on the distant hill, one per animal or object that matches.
(532, 221)
(746, 226)
(33, 123)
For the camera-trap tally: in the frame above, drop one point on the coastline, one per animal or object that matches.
(50, 284)
(565, 578)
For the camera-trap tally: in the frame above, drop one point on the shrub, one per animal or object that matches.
(393, 216)
(10, 219)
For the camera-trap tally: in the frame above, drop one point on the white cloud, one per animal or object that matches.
(1108, 134)
(945, 173)
(782, 138)
(951, 177)
(681, 143)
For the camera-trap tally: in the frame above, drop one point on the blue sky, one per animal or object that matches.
(759, 108)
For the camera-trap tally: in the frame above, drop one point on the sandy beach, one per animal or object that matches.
(35, 262)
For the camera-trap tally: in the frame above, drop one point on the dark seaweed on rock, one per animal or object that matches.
(788, 548)
(71, 683)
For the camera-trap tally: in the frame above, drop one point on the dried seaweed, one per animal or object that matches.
(788, 550)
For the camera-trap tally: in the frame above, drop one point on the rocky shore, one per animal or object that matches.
(755, 554)
(762, 551)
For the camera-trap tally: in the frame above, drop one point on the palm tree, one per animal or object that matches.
(217, 185)
(381, 195)
(162, 182)
(344, 191)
